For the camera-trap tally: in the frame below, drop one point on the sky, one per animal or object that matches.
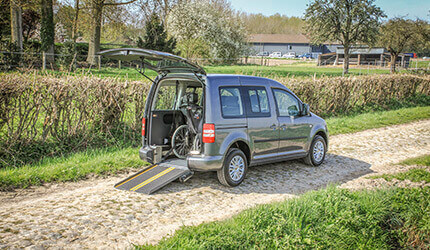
(392, 8)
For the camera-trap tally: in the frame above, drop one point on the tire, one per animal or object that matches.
(226, 175)
(181, 142)
(317, 151)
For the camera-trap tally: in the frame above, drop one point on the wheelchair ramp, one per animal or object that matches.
(153, 178)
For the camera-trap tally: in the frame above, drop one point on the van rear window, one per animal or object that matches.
(231, 102)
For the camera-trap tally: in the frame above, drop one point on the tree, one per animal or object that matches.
(75, 22)
(210, 26)
(97, 14)
(16, 23)
(399, 34)
(47, 29)
(346, 21)
(155, 37)
(30, 20)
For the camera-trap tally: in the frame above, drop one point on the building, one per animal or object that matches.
(363, 55)
(284, 43)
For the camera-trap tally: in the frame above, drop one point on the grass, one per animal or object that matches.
(351, 124)
(298, 69)
(113, 160)
(414, 174)
(420, 161)
(331, 218)
(73, 168)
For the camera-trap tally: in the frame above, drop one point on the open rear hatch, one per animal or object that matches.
(167, 170)
(160, 62)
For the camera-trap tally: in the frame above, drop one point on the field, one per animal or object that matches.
(297, 69)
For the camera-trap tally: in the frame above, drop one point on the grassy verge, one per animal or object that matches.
(414, 175)
(110, 161)
(351, 124)
(325, 219)
(75, 167)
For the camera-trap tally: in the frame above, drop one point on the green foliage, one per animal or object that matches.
(274, 24)
(4, 19)
(351, 124)
(421, 161)
(328, 219)
(67, 56)
(47, 27)
(11, 58)
(155, 37)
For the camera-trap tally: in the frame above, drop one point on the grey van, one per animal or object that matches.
(222, 123)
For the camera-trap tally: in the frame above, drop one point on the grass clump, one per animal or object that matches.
(351, 124)
(73, 168)
(329, 218)
(414, 175)
(421, 161)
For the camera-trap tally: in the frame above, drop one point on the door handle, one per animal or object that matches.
(273, 126)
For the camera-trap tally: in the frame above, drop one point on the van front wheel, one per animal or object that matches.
(234, 168)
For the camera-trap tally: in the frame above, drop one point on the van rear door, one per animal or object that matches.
(161, 62)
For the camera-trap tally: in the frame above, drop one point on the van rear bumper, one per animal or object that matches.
(194, 162)
(204, 162)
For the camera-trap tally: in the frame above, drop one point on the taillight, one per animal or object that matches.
(143, 126)
(208, 133)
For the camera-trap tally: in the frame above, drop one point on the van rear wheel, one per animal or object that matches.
(234, 168)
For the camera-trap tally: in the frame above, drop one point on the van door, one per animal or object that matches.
(261, 115)
(293, 129)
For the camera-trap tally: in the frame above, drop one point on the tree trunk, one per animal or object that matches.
(94, 45)
(393, 63)
(346, 60)
(47, 29)
(16, 23)
(75, 21)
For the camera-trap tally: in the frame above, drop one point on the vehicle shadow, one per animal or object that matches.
(292, 177)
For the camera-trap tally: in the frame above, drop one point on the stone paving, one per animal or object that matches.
(92, 214)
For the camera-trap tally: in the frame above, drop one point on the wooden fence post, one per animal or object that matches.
(119, 64)
(43, 61)
(100, 62)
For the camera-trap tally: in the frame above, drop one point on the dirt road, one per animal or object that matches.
(92, 214)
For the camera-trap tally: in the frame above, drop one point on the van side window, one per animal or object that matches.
(286, 103)
(231, 102)
(258, 101)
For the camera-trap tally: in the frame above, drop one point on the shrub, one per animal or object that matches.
(41, 115)
(44, 115)
(334, 95)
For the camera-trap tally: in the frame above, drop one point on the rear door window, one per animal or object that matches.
(258, 102)
(231, 102)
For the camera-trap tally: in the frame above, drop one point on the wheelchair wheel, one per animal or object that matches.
(182, 141)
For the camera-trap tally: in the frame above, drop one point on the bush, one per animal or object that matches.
(41, 115)
(47, 116)
(329, 96)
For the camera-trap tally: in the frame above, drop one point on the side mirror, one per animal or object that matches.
(305, 109)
